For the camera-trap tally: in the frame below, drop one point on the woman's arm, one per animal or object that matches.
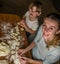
(22, 51)
(32, 45)
(31, 61)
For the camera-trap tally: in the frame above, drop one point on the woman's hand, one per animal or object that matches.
(22, 61)
(31, 61)
(28, 60)
(21, 51)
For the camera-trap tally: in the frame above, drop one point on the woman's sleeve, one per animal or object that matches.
(53, 57)
(39, 35)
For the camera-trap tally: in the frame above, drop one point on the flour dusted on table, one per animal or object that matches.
(13, 38)
(14, 43)
(15, 59)
(4, 62)
(4, 49)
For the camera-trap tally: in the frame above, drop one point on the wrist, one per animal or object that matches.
(25, 50)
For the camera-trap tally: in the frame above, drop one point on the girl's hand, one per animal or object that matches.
(22, 23)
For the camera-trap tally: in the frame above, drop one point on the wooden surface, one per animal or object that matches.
(25, 42)
(13, 19)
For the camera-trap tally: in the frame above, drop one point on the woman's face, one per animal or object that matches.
(50, 29)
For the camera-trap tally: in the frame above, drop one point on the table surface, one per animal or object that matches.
(25, 43)
(13, 19)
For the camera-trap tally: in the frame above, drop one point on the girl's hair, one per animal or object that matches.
(38, 4)
(56, 40)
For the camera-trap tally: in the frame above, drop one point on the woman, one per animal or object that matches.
(45, 47)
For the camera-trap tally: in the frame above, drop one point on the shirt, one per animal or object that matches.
(31, 24)
(48, 56)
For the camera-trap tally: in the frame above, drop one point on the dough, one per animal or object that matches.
(4, 50)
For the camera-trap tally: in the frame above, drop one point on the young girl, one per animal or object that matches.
(30, 19)
(45, 47)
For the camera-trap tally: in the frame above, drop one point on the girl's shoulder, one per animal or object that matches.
(27, 13)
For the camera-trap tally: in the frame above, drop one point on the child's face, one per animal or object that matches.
(33, 12)
(50, 29)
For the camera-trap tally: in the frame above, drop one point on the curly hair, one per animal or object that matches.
(38, 4)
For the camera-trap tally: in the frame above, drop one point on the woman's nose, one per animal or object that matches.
(46, 29)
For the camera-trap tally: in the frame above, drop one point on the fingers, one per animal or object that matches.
(22, 21)
(21, 52)
(22, 61)
(28, 60)
(24, 58)
(22, 24)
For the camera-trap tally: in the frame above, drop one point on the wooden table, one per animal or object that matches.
(13, 19)
(25, 41)
(24, 45)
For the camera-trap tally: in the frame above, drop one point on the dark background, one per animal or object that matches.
(19, 7)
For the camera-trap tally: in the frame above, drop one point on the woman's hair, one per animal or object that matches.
(56, 17)
(56, 40)
(38, 4)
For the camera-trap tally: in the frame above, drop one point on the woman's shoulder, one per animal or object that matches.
(54, 50)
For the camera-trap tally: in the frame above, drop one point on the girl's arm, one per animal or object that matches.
(29, 30)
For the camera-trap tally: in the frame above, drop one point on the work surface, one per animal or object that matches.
(10, 24)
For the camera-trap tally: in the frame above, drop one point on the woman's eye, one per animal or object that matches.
(43, 25)
(51, 28)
